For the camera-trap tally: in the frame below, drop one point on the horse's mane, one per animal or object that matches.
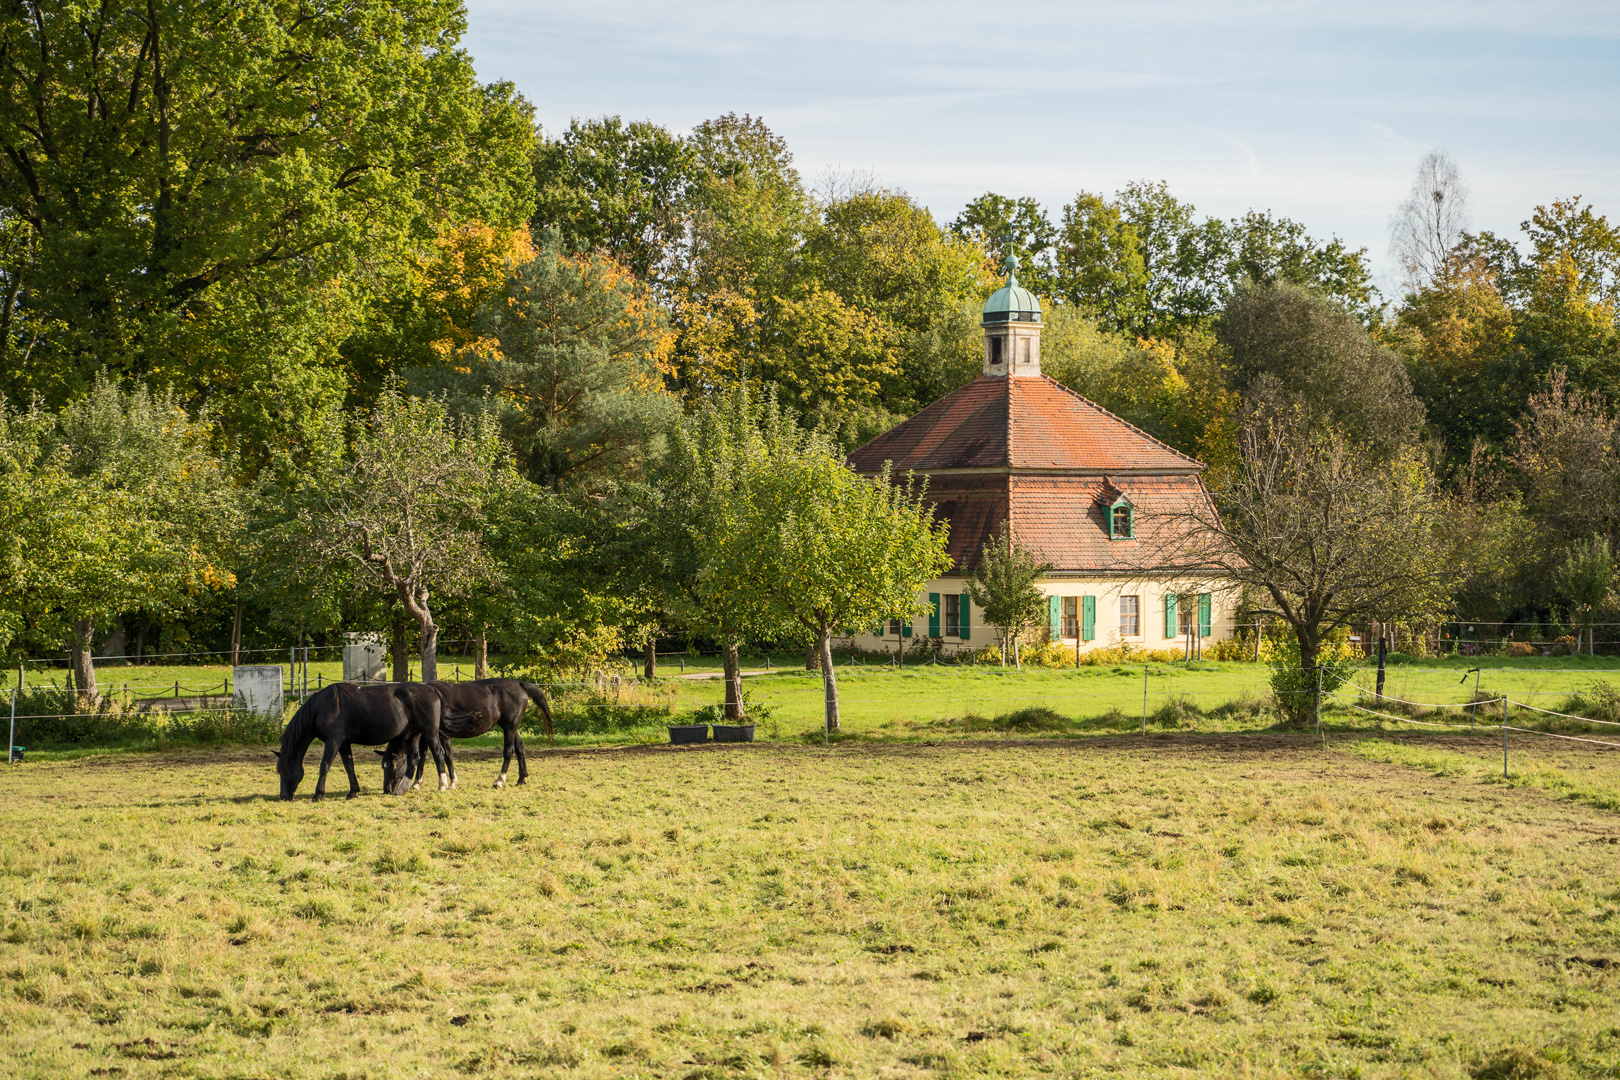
(300, 730)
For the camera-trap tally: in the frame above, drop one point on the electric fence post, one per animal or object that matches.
(1504, 737)
(1144, 697)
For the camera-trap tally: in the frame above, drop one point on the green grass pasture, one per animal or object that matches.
(1189, 904)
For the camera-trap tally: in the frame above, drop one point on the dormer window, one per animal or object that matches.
(1120, 519)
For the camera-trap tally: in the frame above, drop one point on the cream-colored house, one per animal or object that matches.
(1083, 489)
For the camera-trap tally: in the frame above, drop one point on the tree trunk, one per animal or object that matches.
(1309, 654)
(402, 666)
(429, 633)
(1383, 643)
(83, 662)
(1018, 661)
(734, 702)
(829, 680)
(812, 657)
(481, 656)
(236, 635)
(649, 660)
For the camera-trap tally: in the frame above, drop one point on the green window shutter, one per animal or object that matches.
(879, 631)
(1054, 611)
(1170, 615)
(905, 627)
(1088, 618)
(1203, 614)
(933, 614)
(1108, 521)
(962, 630)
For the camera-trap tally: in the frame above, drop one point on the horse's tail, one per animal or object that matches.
(538, 696)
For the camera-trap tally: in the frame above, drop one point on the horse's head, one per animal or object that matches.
(291, 773)
(397, 767)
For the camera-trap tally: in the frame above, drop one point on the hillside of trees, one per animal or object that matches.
(243, 256)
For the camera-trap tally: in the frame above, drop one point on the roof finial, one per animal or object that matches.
(1011, 263)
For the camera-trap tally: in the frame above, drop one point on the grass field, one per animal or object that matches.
(921, 703)
(1206, 683)
(1182, 905)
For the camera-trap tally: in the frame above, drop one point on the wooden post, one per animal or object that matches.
(236, 635)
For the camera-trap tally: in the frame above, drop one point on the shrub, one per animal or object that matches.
(1295, 693)
(1235, 649)
(599, 714)
(1600, 701)
(224, 726)
(64, 717)
(1051, 654)
(1521, 648)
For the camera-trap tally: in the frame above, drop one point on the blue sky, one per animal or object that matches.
(1317, 111)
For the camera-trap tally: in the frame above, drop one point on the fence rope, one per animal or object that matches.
(1551, 712)
(1409, 720)
(1555, 735)
(1426, 704)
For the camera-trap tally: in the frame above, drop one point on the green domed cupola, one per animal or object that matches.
(1012, 302)
(1012, 329)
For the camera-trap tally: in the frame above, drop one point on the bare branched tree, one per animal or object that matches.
(1430, 223)
(1318, 533)
(408, 505)
(1567, 455)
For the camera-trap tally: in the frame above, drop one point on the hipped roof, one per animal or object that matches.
(997, 422)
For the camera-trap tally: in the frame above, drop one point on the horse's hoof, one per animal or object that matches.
(501, 782)
(354, 794)
(522, 780)
(443, 786)
(317, 797)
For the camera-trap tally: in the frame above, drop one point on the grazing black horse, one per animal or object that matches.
(470, 709)
(343, 714)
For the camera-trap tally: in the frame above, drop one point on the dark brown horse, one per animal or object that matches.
(470, 709)
(344, 714)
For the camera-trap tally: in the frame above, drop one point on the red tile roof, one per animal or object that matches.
(1017, 423)
(1046, 459)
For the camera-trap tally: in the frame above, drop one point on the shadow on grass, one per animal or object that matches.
(1245, 714)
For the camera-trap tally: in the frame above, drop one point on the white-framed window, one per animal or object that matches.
(1071, 616)
(894, 627)
(953, 614)
(1130, 616)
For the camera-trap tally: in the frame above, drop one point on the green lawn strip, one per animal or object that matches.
(1104, 908)
(1589, 776)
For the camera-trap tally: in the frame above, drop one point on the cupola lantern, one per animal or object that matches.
(1012, 328)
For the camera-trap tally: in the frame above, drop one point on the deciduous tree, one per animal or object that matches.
(212, 193)
(1323, 532)
(407, 503)
(1004, 588)
(1430, 223)
(829, 550)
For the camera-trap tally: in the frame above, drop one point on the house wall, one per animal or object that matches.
(1109, 594)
